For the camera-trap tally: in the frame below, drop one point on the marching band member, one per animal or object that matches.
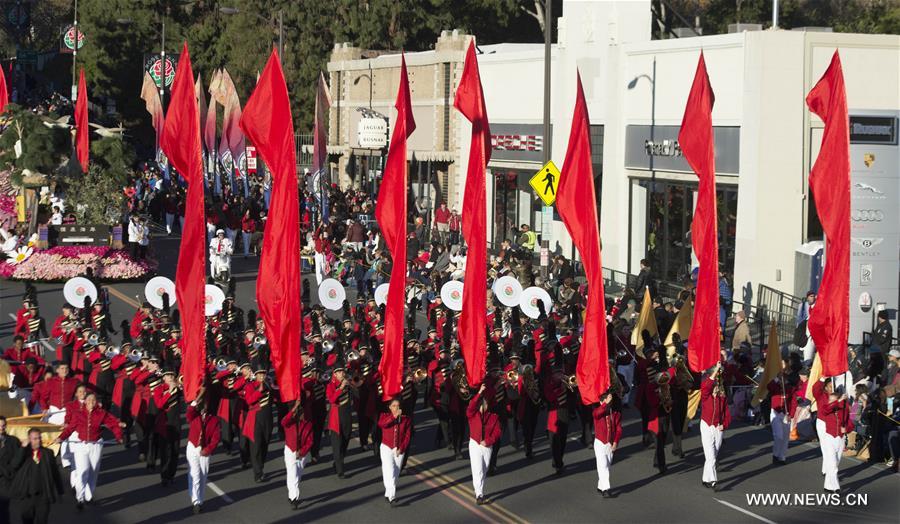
(714, 420)
(835, 414)
(341, 397)
(203, 437)
(167, 426)
(607, 417)
(257, 426)
(780, 395)
(59, 391)
(484, 431)
(298, 441)
(20, 352)
(396, 431)
(556, 393)
(30, 325)
(88, 423)
(69, 445)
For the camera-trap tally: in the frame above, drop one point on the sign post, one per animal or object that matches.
(545, 183)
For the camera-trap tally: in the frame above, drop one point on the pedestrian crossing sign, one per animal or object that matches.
(545, 182)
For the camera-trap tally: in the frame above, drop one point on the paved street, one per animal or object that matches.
(438, 489)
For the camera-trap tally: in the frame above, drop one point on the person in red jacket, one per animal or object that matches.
(835, 415)
(257, 424)
(89, 423)
(203, 437)
(19, 352)
(396, 430)
(780, 394)
(58, 392)
(484, 431)
(342, 399)
(556, 393)
(298, 441)
(714, 420)
(607, 415)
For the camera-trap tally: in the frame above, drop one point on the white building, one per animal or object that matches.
(766, 142)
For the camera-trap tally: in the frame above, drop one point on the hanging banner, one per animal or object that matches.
(68, 40)
(160, 72)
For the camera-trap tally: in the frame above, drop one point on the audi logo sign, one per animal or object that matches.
(867, 215)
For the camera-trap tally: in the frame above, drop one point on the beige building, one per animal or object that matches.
(365, 82)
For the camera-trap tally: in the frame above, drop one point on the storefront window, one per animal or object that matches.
(670, 210)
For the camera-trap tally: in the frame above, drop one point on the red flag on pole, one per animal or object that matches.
(391, 215)
(180, 140)
(267, 121)
(576, 202)
(829, 319)
(4, 91)
(470, 102)
(696, 140)
(82, 143)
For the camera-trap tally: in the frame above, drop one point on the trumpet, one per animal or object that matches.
(221, 365)
(136, 355)
(570, 381)
(418, 374)
(259, 340)
(512, 377)
(93, 340)
(327, 346)
(352, 356)
(112, 351)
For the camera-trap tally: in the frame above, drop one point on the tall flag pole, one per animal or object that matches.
(82, 130)
(696, 140)
(829, 319)
(391, 215)
(180, 141)
(472, 326)
(320, 141)
(576, 202)
(267, 121)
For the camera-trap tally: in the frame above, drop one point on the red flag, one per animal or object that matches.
(829, 319)
(180, 140)
(470, 102)
(577, 205)
(4, 93)
(82, 144)
(696, 140)
(267, 121)
(320, 136)
(391, 215)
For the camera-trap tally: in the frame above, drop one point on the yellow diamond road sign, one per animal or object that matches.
(545, 182)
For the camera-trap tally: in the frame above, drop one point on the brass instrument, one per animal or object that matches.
(327, 346)
(136, 355)
(570, 381)
(93, 340)
(221, 365)
(683, 378)
(459, 379)
(325, 377)
(112, 351)
(512, 377)
(418, 374)
(530, 383)
(665, 395)
(259, 340)
(352, 356)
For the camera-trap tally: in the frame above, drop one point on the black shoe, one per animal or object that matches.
(80, 505)
(341, 476)
(387, 500)
(662, 470)
(559, 470)
(295, 503)
(393, 502)
(491, 472)
(142, 457)
(529, 454)
(197, 508)
(245, 465)
(258, 479)
(712, 486)
(479, 501)
(605, 493)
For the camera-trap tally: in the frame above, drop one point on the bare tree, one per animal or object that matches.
(537, 13)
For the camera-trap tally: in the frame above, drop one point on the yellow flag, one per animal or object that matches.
(815, 373)
(682, 325)
(773, 366)
(647, 321)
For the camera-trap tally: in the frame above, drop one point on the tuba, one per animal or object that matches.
(683, 378)
(665, 395)
(459, 379)
(530, 383)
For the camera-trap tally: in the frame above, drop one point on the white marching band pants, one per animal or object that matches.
(711, 437)
(87, 468)
(390, 470)
(604, 455)
(480, 457)
(294, 468)
(198, 469)
(832, 449)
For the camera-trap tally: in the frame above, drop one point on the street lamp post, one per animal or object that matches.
(75, 57)
(631, 85)
(545, 224)
(235, 10)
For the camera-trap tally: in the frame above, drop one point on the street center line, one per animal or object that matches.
(744, 511)
(122, 296)
(220, 493)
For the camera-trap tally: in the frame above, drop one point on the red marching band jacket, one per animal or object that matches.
(607, 424)
(395, 431)
(835, 414)
(298, 433)
(483, 427)
(713, 408)
(89, 425)
(203, 430)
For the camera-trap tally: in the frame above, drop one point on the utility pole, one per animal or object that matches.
(547, 211)
(75, 57)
